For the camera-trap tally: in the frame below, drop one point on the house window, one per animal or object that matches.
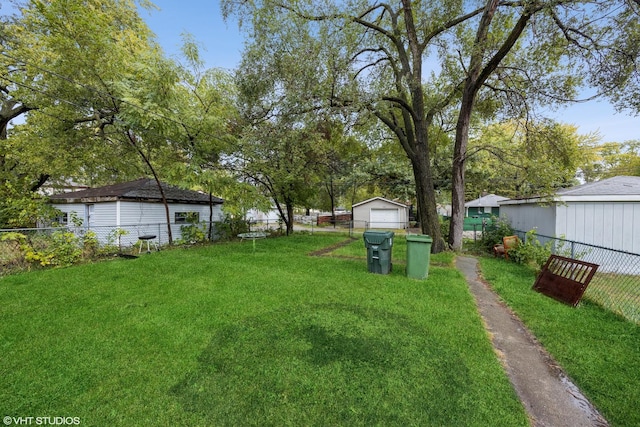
(62, 219)
(186, 217)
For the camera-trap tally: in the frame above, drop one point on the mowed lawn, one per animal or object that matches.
(221, 335)
(598, 349)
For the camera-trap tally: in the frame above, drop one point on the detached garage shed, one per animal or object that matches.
(379, 212)
(137, 207)
(604, 213)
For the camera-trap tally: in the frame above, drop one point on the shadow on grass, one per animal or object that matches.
(325, 364)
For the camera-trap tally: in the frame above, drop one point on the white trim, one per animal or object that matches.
(379, 198)
(118, 213)
(560, 199)
(520, 201)
(603, 198)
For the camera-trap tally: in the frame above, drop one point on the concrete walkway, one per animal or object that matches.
(548, 396)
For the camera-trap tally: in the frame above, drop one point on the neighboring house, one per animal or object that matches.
(272, 216)
(485, 206)
(604, 213)
(443, 210)
(137, 207)
(379, 212)
(64, 186)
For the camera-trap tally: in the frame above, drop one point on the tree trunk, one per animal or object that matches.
(210, 233)
(425, 196)
(477, 75)
(289, 219)
(133, 141)
(330, 190)
(456, 226)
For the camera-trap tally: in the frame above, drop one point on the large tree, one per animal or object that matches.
(106, 103)
(63, 63)
(420, 66)
(608, 159)
(282, 159)
(520, 159)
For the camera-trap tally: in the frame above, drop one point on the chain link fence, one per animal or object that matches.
(20, 247)
(616, 284)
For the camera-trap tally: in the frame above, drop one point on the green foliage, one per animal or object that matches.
(60, 249)
(509, 158)
(495, 231)
(230, 227)
(113, 241)
(20, 208)
(65, 248)
(611, 159)
(193, 233)
(90, 244)
(531, 252)
(444, 227)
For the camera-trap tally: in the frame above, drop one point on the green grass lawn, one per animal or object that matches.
(599, 350)
(220, 335)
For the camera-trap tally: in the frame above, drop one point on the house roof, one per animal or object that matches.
(618, 185)
(490, 200)
(378, 198)
(139, 190)
(616, 189)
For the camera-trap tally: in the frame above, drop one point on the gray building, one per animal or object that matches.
(604, 213)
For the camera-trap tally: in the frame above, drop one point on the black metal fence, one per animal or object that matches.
(616, 284)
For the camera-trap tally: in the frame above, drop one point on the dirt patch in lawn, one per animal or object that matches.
(329, 249)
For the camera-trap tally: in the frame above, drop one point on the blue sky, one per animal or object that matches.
(222, 45)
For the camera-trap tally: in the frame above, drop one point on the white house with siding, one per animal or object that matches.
(379, 212)
(137, 207)
(603, 213)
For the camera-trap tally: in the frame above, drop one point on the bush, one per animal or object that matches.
(444, 227)
(193, 233)
(230, 227)
(62, 248)
(494, 233)
(114, 244)
(531, 252)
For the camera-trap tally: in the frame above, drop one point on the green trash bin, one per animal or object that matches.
(418, 255)
(379, 245)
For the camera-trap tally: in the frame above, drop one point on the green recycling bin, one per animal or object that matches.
(379, 245)
(418, 255)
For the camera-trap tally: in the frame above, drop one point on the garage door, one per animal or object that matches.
(384, 218)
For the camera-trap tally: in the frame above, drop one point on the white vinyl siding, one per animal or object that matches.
(137, 218)
(363, 214)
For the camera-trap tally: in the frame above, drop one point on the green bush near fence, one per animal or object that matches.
(58, 249)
